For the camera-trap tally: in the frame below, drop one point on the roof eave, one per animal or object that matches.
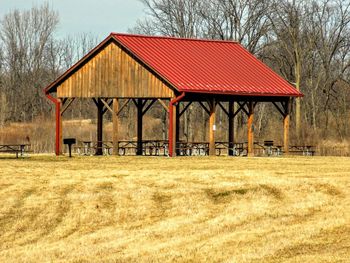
(244, 94)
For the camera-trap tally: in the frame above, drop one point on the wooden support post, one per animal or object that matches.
(139, 126)
(99, 150)
(286, 119)
(59, 131)
(250, 129)
(212, 127)
(115, 127)
(177, 128)
(172, 130)
(231, 132)
(172, 124)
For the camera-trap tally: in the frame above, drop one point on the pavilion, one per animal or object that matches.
(171, 71)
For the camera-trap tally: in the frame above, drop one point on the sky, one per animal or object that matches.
(99, 17)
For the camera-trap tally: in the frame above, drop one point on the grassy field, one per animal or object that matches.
(143, 209)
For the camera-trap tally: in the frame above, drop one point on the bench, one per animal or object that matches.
(18, 149)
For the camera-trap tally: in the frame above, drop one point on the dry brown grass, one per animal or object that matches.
(143, 209)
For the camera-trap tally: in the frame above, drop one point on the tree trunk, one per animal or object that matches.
(297, 100)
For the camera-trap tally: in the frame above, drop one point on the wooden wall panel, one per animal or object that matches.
(112, 73)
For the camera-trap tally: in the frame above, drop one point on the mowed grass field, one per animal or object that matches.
(144, 209)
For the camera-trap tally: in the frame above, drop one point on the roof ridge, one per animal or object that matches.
(175, 38)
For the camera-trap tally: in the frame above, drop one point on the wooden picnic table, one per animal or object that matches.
(18, 149)
(306, 150)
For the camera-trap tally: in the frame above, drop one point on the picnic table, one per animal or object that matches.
(155, 147)
(192, 148)
(185, 148)
(126, 147)
(202, 148)
(149, 147)
(18, 149)
(88, 147)
(268, 148)
(306, 150)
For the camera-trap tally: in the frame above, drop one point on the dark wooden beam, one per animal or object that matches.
(115, 127)
(95, 101)
(144, 102)
(99, 127)
(241, 107)
(185, 108)
(280, 109)
(223, 108)
(148, 106)
(231, 123)
(204, 107)
(140, 104)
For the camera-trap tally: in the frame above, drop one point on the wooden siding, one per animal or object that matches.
(112, 73)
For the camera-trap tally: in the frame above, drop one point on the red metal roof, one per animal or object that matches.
(207, 66)
(194, 65)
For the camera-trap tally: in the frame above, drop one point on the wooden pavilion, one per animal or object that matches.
(171, 71)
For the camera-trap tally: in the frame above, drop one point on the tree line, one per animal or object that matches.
(31, 57)
(306, 42)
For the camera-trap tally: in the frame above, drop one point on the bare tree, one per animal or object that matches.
(288, 23)
(171, 18)
(239, 20)
(25, 37)
(329, 33)
(3, 103)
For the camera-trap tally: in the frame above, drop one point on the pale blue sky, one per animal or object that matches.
(99, 17)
